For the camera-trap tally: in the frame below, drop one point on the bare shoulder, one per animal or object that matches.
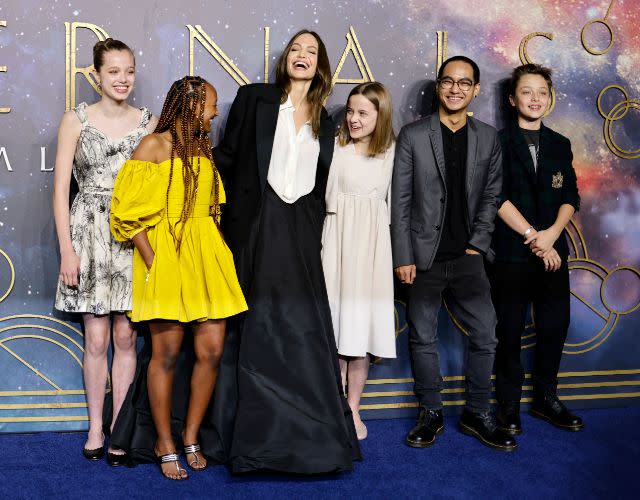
(70, 123)
(151, 148)
(153, 123)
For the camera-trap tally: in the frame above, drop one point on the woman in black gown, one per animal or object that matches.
(279, 400)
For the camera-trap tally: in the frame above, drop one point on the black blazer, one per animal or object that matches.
(537, 195)
(244, 153)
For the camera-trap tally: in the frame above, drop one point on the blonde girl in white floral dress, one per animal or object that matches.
(95, 271)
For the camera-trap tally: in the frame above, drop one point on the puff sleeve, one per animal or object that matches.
(139, 197)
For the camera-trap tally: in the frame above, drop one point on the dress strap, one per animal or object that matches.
(146, 116)
(81, 113)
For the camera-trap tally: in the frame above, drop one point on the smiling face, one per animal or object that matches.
(117, 74)
(532, 97)
(302, 59)
(361, 118)
(456, 99)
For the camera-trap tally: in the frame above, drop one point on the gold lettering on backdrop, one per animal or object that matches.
(3, 69)
(3, 154)
(618, 112)
(525, 59)
(606, 24)
(443, 47)
(354, 47)
(197, 33)
(71, 68)
(266, 54)
(43, 160)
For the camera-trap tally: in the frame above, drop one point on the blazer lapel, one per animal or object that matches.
(435, 135)
(472, 147)
(266, 121)
(546, 145)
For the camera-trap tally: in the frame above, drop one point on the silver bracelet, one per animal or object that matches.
(528, 232)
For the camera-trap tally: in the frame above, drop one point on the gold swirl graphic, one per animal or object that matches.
(618, 112)
(12, 274)
(604, 23)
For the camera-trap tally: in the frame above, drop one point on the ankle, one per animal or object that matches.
(189, 437)
(164, 446)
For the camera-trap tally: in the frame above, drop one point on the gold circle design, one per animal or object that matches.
(601, 95)
(13, 276)
(618, 112)
(604, 282)
(590, 50)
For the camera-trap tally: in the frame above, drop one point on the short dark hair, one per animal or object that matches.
(104, 46)
(529, 69)
(470, 62)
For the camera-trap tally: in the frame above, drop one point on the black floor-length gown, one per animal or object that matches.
(291, 415)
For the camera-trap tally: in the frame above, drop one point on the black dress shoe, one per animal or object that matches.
(430, 424)
(508, 418)
(483, 426)
(118, 459)
(93, 455)
(551, 409)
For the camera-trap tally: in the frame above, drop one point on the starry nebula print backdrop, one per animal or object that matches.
(592, 45)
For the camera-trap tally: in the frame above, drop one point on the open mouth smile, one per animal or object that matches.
(302, 65)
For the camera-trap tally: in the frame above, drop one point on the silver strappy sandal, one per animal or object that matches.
(193, 449)
(168, 458)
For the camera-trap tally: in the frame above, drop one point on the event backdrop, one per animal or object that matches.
(592, 45)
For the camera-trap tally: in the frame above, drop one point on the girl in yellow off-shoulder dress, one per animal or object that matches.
(167, 200)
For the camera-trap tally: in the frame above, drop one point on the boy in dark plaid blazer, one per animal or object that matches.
(539, 197)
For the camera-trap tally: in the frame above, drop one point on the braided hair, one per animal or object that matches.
(185, 103)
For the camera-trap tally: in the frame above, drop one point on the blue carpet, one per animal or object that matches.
(602, 461)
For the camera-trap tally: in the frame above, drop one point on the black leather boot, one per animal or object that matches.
(483, 426)
(430, 424)
(508, 417)
(548, 407)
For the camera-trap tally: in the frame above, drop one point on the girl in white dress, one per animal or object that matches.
(356, 243)
(95, 270)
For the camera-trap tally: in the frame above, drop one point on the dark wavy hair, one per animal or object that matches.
(320, 85)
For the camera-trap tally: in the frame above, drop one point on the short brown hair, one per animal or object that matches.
(320, 85)
(104, 46)
(383, 135)
(529, 69)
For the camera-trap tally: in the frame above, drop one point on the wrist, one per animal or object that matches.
(557, 231)
(67, 251)
(529, 231)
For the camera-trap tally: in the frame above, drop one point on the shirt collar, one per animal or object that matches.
(287, 105)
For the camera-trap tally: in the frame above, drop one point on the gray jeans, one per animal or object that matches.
(464, 284)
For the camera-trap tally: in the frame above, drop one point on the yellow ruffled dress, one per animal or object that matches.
(198, 284)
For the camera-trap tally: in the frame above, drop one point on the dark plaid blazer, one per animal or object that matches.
(539, 194)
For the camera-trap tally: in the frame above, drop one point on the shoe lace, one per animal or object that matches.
(488, 420)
